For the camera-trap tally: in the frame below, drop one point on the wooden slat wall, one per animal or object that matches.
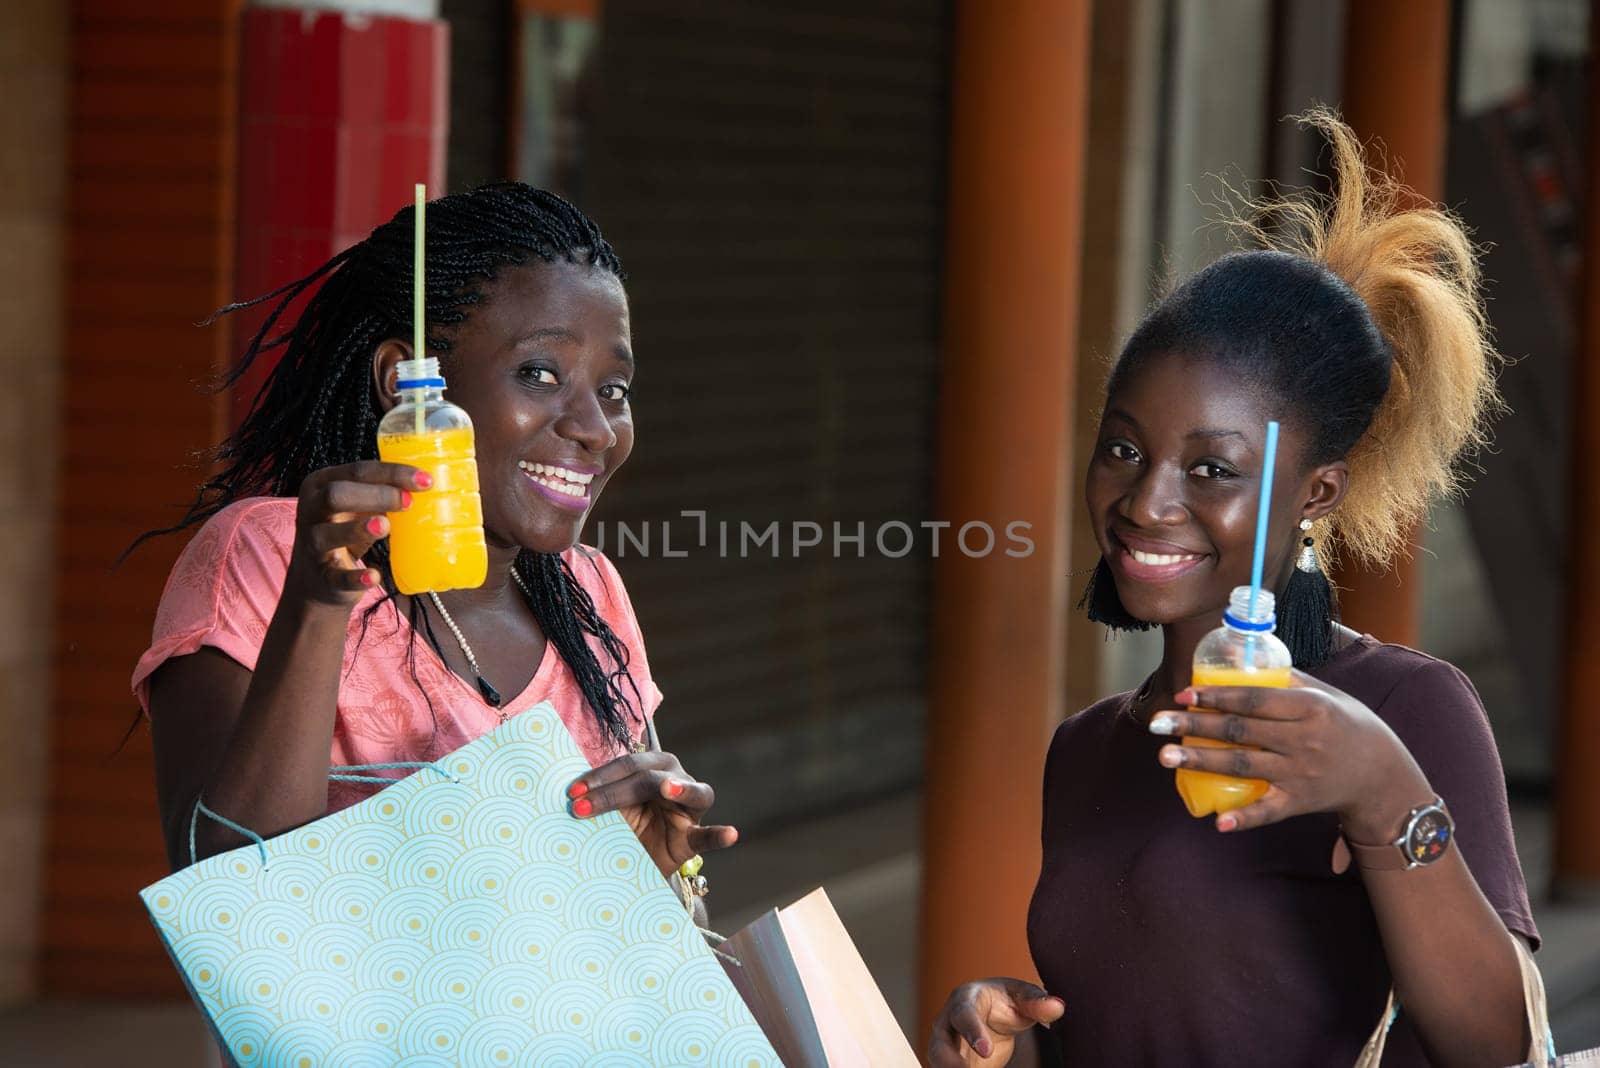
(772, 175)
(33, 84)
(149, 247)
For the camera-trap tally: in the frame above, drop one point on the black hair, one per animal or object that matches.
(318, 406)
(1362, 316)
(1283, 324)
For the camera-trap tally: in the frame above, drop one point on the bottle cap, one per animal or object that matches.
(1239, 616)
(418, 374)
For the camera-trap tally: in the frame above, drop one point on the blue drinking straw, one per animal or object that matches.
(1259, 563)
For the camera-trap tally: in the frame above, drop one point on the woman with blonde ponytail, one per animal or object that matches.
(1252, 938)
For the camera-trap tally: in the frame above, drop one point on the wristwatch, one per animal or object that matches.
(1424, 839)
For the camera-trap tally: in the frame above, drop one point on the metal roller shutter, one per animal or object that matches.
(773, 178)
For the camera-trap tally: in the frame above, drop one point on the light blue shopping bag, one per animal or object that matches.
(459, 917)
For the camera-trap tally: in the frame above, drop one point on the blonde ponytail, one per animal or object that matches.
(1416, 270)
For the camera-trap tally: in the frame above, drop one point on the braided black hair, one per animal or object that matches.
(364, 298)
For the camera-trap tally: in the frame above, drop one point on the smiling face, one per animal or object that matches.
(543, 365)
(1173, 487)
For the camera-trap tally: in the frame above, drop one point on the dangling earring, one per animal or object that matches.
(1308, 609)
(1308, 553)
(1102, 604)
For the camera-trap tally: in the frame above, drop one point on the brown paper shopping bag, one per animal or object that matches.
(808, 988)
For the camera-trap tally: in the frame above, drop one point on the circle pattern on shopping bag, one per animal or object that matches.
(466, 919)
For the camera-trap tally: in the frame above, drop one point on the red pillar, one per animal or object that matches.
(341, 114)
(1396, 86)
(1577, 753)
(1018, 135)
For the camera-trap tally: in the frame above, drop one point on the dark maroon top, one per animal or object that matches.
(1173, 944)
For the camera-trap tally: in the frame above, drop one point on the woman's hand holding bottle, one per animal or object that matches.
(339, 516)
(1319, 748)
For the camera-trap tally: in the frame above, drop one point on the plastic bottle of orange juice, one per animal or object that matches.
(1241, 652)
(436, 544)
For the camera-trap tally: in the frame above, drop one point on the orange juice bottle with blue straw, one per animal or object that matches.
(437, 544)
(1241, 652)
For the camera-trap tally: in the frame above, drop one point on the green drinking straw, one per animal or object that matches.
(1265, 505)
(419, 306)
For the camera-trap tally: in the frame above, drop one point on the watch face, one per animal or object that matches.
(1429, 836)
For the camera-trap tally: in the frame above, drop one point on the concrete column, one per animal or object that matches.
(1396, 89)
(1117, 232)
(1209, 77)
(1577, 752)
(1005, 431)
(1214, 103)
(33, 126)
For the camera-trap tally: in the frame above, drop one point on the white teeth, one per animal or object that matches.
(561, 474)
(562, 487)
(1158, 559)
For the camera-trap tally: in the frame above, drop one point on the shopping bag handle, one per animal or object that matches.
(1542, 1054)
(200, 809)
(341, 772)
(336, 773)
(1542, 1043)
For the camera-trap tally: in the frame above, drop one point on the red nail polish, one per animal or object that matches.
(674, 789)
(424, 480)
(578, 789)
(1226, 823)
(369, 578)
(582, 807)
(375, 526)
(405, 499)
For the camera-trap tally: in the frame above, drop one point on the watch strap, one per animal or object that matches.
(1392, 856)
(1386, 857)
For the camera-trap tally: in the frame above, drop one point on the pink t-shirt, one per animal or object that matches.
(225, 587)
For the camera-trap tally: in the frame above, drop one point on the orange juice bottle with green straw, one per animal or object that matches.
(437, 544)
(1241, 652)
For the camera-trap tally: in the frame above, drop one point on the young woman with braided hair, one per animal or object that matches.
(281, 645)
(1251, 938)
